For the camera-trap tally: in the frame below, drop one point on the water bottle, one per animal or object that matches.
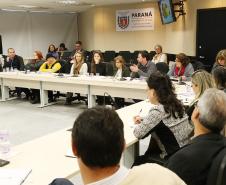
(4, 144)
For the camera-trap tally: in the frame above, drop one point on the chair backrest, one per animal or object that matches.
(162, 67)
(197, 64)
(109, 56)
(109, 69)
(65, 55)
(65, 66)
(170, 57)
(217, 172)
(126, 55)
(152, 54)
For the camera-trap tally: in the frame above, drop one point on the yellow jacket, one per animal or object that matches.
(53, 68)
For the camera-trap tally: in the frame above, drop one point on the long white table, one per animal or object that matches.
(91, 86)
(46, 155)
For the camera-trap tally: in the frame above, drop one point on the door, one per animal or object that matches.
(211, 34)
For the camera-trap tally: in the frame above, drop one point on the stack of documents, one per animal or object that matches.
(13, 176)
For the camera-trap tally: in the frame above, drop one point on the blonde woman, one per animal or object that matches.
(79, 67)
(201, 80)
(220, 59)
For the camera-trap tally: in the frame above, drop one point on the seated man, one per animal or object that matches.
(98, 142)
(144, 68)
(13, 61)
(192, 163)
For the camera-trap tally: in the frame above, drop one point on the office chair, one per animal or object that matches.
(217, 172)
(109, 56)
(152, 155)
(109, 69)
(162, 67)
(170, 57)
(126, 55)
(152, 54)
(196, 64)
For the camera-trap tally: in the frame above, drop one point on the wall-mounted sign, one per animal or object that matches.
(135, 19)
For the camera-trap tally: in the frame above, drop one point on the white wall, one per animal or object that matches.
(97, 29)
(27, 32)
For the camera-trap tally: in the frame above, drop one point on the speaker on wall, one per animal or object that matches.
(0, 44)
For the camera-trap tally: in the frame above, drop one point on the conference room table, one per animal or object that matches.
(46, 156)
(89, 85)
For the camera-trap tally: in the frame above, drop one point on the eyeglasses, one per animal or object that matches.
(196, 104)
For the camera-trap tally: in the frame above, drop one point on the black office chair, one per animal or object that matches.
(217, 172)
(152, 54)
(109, 69)
(196, 64)
(152, 155)
(162, 67)
(126, 55)
(170, 57)
(109, 56)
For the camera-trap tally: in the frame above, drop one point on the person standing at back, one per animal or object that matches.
(144, 68)
(98, 143)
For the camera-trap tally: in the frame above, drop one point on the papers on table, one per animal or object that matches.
(13, 176)
(70, 153)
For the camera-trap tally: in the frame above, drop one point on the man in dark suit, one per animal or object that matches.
(192, 163)
(13, 61)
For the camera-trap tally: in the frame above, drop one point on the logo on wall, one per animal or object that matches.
(123, 21)
(134, 19)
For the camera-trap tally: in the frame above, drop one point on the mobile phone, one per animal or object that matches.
(3, 162)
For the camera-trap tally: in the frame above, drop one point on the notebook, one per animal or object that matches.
(13, 176)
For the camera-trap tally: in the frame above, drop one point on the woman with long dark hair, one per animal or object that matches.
(97, 63)
(166, 121)
(53, 51)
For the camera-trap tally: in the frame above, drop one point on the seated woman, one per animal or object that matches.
(52, 50)
(120, 68)
(98, 66)
(97, 63)
(182, 67)
(166, 121)
(159, 56)
(219, 75)
(35, 63)
(79, 67)
(220, 59)
(52, 66)
(120, 71)
(201, 80)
